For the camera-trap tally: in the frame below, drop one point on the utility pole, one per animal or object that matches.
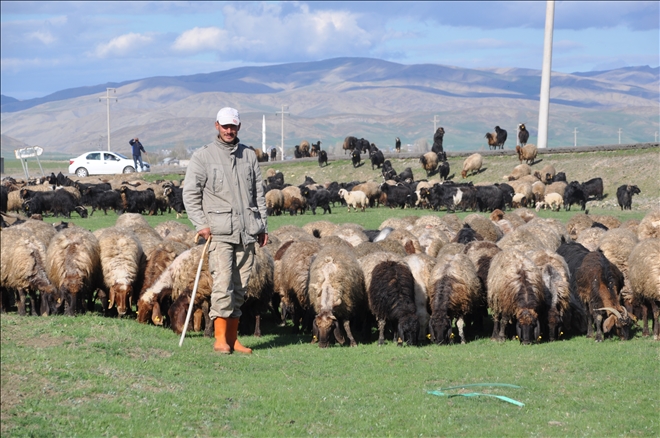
(544, 104)
(619, 135)
(435, 123)
(107, 101)
(282, 113)
(574, 137)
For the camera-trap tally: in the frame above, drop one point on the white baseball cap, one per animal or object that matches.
(228, 116)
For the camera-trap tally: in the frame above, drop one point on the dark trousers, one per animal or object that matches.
(137, 158)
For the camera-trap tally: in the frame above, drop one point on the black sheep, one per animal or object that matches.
(377, 159)
(501, 136)
(443, 170)
(624, 195)
(523, 135)
(437, 140)
(392, 298)
(323, 158)
(574, 194)
(593, 187)
(355, 157)
(397, 144)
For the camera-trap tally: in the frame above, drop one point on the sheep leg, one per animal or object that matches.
(460, 323)
(590, 323)
(257, 325)
(20, 301)
(338, 336)
(381, 331)
(504, 320)
(645, 318)
(197, 320)
(656, 320)
(599, 327)
(347, 327)
(496, 327)
(208, 324)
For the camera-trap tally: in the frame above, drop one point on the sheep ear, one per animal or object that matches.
(609, 323)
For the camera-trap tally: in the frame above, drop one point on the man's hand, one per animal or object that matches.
(262, 238)
(205, 233)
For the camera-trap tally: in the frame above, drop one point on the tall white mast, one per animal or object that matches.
(544, 104)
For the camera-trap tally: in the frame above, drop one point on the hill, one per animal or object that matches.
(331, 99)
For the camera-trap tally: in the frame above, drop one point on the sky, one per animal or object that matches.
(51, 46)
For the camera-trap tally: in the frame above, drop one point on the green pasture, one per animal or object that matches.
(92, 376)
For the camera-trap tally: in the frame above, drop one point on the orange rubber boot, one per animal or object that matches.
(232, 337)
(221, 345)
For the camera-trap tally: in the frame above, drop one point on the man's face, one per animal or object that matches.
(227, 132)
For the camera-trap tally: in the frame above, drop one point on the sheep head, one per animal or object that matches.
(440, 329)
(528, 327)
(408, 330)
(325, 324)
(120, 295)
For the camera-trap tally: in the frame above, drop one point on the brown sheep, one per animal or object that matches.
(527, 153)
(577, 223)
(371, 189)
(161, 258)
(23, 270)
(556, 277)
(472, 164)
(546, 174)
(515, 291)
(320, 228)
(122, 263)
(590, 237)
(429, 162)
(294, 201)
(421, 266)
(274, 202)
(291, 280)
(644, 274)
(174, 231)
(336, 291)
(455, 292)
(556, 187)
(74, 266)
(407, 239)
(485, 227)
(598, 283)
(518, 172)
(649, 226)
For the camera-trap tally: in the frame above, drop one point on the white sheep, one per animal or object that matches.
(356, 199)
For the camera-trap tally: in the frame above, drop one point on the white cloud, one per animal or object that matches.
(200, 39)
(267, 32)
(123, 45)
(44, 37)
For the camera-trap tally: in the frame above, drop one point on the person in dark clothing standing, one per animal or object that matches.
(137, 153)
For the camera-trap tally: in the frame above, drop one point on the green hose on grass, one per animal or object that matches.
(439, 392)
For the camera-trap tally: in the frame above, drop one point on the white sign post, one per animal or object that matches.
(23, 154)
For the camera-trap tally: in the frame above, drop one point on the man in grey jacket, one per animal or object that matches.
(223, 195)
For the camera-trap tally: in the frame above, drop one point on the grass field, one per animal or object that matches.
(93, 376)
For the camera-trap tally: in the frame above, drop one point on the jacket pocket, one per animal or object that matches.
(253, 223)
(218, 176)
(220, 221)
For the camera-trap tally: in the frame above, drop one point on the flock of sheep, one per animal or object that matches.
(413, 278)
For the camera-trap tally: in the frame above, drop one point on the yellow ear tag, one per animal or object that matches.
(539, 338)
(561, 333)
(516, 337)
(451, 336)
(314, 337)
(428, 336)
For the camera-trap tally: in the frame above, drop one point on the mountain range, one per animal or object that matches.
(334, 98)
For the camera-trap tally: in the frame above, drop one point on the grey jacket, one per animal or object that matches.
(223, 191)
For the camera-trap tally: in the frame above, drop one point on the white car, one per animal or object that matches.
(103, 163)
